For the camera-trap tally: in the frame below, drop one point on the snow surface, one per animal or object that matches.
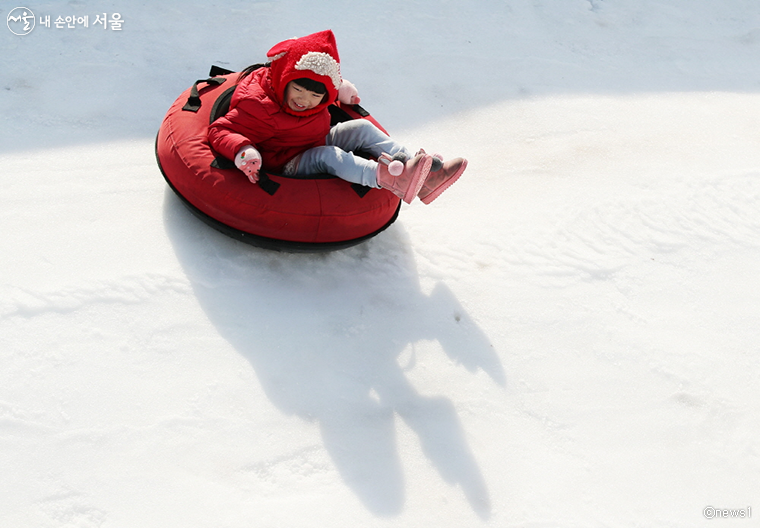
(568, 337)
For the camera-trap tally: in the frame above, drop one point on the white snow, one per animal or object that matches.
(567, 337)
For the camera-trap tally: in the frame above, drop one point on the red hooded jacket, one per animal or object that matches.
(258, 114)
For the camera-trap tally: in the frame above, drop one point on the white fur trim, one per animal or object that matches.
(321, 64)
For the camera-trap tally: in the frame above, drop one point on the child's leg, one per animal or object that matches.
(337, 156)
(338, 162)
(361, 135)
(331, 160)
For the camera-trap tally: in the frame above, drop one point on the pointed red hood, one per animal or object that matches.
(315, 57)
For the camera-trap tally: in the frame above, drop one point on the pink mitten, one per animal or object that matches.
(248, 160)
(348, 94)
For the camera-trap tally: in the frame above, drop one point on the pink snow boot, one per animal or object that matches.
(442, 179)
(403, 179)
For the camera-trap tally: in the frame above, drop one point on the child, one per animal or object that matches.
(279, 121)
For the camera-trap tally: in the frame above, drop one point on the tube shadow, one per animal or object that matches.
(323, 334)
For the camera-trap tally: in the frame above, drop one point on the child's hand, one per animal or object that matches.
(248, 160)
(347, 93)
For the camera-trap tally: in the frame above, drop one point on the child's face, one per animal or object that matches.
(300, 99)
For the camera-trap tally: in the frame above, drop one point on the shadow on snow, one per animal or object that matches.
(324, 334)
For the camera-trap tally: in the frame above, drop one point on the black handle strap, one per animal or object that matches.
(268, 186)
(194, 101)
(360, 189)
(218, 70)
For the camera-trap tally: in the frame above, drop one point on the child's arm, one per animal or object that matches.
(347, 93)
(237, 129)
(224, 138)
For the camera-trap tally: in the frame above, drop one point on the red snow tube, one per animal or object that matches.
(301, 214)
